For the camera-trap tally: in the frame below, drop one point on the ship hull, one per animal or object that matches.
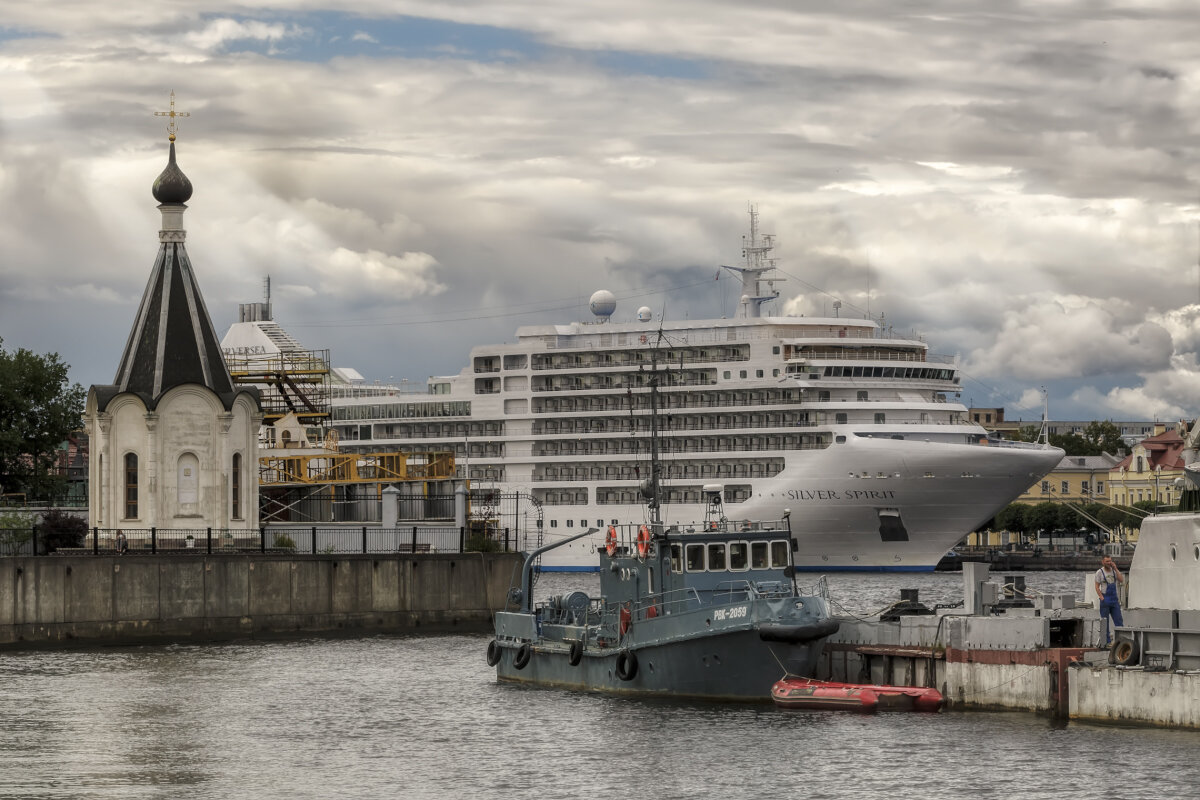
(729, 665)
(868, 504)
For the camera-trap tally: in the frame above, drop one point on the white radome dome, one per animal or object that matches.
(645, 314)
(603, 303)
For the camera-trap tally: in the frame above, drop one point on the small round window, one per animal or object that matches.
(1196, 552)
(1172, 552)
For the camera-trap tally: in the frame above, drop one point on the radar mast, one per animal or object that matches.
(757, 270)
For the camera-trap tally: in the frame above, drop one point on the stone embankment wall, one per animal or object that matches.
(85, 600)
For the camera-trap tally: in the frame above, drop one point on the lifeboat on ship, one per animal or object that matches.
(810, 694)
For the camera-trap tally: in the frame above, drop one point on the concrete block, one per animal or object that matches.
(1005, 633)
(1160, 698)
(89, 595)
(385, 585)
(270, 587)
(135, 589)
(431, 581)
(227, 587)
(8, 589)
(309, 586)
(181, 584)
(352, 586)
(918, 631)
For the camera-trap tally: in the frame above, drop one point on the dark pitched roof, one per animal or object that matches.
(172, 341)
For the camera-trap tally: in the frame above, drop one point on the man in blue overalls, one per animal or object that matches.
(1108, 577)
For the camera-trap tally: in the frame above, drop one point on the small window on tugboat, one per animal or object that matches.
(739, 555)
(716, 557)
(570, 523)
(695, 558)
(553, 523)
(758, 555)
(676, 558)
(779, 554)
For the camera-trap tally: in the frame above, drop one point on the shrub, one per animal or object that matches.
(60, 529)
(283, 542)
(481, 543)
(16, 528)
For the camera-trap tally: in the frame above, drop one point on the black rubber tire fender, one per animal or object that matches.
(494, 652)
(576, 654)
(1125, 653)
(524, 653)
(627, 665)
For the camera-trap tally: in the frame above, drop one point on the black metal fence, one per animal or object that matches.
(313, 539)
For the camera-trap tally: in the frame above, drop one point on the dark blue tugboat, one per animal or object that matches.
(710, 612)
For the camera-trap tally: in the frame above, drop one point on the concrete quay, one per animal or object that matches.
(994, 655)
(110, 600)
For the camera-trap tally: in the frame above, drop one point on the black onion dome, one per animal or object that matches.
(172, 186)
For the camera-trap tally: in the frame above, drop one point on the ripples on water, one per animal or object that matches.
(424, 717)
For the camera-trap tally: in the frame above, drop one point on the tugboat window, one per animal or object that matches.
(779, 554)
(716, 557)
(676, 558)
(738, 555)
(695, 558)
(758, 555)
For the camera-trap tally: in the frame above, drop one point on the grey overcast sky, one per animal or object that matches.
(1015, 181)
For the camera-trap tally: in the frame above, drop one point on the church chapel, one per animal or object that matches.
(173, 440)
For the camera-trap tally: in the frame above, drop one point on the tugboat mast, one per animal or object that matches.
(655, 482)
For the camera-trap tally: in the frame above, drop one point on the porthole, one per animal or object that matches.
(1172, 552)
(1196, 552)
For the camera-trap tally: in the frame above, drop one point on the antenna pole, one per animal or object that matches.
(655, 518)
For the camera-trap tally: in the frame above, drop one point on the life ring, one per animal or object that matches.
(576, 654)
(642, 338)
(626, 620)
(610, 541)
(627, 665)
(524, 653)
(643, 542)
(493, 653)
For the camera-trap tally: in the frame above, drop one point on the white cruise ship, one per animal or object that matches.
(857, 434)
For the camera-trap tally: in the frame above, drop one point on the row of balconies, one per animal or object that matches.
(669, 471)
(667, 401)
(667, 446)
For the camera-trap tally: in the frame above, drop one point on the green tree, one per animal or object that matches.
(1104, 436)
(1013, 518)
(1028, 433)
(1042, 517)
(38, 409)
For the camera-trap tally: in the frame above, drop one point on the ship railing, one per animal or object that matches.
(626, 363)
(1012, 445)
(785, 330)
(675, 601)
(819, 589)
(732, 592)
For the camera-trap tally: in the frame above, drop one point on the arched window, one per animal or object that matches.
(131, 486)
(235, 484)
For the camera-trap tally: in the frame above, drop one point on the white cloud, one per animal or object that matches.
(1011, 189)
(1072, 337)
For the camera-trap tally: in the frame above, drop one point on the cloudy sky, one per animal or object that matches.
(1019, 184)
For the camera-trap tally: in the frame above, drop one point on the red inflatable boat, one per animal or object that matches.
(806, 693)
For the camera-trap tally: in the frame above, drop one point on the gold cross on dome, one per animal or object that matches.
(172, 114)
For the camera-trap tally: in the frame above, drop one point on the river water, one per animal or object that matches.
(417, 717)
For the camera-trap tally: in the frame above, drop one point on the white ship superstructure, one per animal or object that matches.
(857, 433)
